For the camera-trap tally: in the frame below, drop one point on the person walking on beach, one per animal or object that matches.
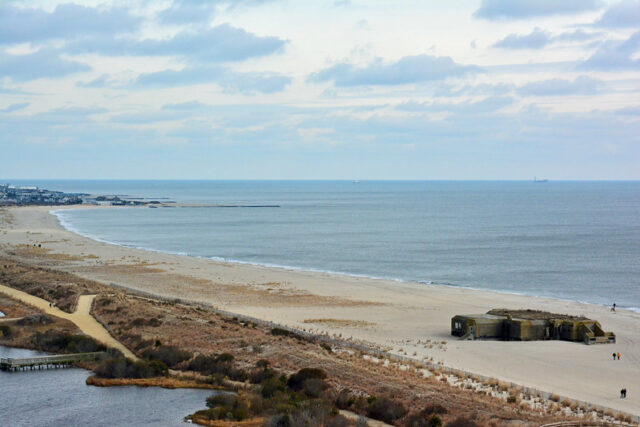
(618, 356)
(613, 307)
(624, 393)
(614, 356)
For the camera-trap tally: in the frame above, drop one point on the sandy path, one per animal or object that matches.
(411, 319)
(81, 317)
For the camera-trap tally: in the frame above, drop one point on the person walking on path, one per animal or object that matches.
(624, 393)
(618, 356)
(614, 356)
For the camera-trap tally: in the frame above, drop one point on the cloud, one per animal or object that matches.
(198, 11)
(615, 55)
(539, 38)
(487, 105)
(15, 107)
(18, 25)
(629, 111)
(625, 14)
(187, 11)
(68, 114)
(229, 81)
(148, 117)
(45, 63)
(410, 69)
(523, 9)
(188, 106)
(258, 141)
(217, 44)
(577, 36)
(482, 89)
(582, 85)
(100, 82)
(535, 40)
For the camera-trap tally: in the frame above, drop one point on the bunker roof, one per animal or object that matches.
(533, 314)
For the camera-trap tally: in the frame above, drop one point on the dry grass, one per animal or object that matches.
(198, 330)
(51, 285)
(35, 251)
(164, 382)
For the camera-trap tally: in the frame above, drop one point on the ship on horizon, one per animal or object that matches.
(539, 180)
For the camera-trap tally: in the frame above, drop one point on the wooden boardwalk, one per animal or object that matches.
(45, 362)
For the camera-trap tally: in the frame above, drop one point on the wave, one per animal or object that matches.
(66, 224)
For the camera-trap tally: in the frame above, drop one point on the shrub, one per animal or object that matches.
(386, 410)
(280, 332)
(227, 406)
(461, 422)
(207, 365)
(236, 374)
(419, 420)
(434, 408)
(139, 321)
(119, 367)
(263, 363)
(345, 399)
(35, 319)
(309, 413)
(6, 331)
(296, 381)
(224, 357)
(61, 342)
(143, 344)
(215, 379)
(257, 376)
(154, 322)
(314, 387)
(168, 355)
(271, 387)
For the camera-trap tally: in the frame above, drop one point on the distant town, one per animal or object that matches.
(12, 195)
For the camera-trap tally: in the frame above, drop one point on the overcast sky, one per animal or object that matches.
(336, 89)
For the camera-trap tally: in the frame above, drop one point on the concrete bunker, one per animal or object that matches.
(529, 325)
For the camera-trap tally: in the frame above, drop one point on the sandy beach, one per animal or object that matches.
(407, 318)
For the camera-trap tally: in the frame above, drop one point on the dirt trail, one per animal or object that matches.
(81, 317)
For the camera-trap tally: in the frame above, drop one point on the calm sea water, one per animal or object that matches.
(60, 397)
(571, 240)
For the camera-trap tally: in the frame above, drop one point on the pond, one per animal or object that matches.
(60, 397)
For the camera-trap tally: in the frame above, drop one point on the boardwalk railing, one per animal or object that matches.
(56, 361)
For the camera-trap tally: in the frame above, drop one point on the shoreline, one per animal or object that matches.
(411, 320)
(287, 268)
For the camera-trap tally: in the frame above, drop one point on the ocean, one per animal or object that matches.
(578, 241)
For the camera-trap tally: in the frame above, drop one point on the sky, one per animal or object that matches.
(335, 89)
